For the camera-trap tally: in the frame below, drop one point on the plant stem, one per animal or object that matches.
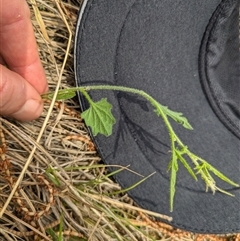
(154, 103)
(86, 95)
(178, 149)
(146, 96)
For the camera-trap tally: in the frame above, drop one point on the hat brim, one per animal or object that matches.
(154, 46)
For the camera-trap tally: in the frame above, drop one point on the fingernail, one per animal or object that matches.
(31, 110)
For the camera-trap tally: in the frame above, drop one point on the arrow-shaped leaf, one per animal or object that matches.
(176, 116)
(99, 117)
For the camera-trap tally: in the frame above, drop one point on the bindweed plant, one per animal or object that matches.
(100, 119)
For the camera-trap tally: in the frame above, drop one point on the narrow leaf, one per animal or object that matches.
(51, 174)
(99, 117)
(174, 169)
(40, 21)
(60, 236)
(206, 176)
(52, 234)
(225, 192)
(220, 175)
(186, 165)
(133, 186)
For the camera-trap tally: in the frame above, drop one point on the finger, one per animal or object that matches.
(18, 45)
(2, 62)
(18, 98)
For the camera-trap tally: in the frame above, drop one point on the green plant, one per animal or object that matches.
(99, 117)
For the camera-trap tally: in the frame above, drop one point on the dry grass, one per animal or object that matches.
(53, 184)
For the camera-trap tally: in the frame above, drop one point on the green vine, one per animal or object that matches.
(100, 119)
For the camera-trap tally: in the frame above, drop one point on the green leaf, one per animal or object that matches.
(50, 232)
(51, 174)
(220, 175)
(186, 165)
(64, 94)
(99, 117)
(60, 236)
(133, 186)
(176, 116)
(174, 170)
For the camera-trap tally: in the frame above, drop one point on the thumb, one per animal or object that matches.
(18, 98)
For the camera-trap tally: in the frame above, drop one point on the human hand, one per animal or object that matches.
(23, 80)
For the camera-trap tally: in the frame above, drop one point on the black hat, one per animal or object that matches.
(185, 54)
